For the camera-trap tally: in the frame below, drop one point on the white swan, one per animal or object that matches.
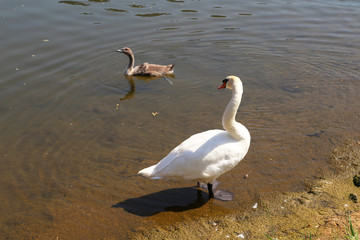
(207, 155)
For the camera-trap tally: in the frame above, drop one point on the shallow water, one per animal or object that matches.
(75, 131)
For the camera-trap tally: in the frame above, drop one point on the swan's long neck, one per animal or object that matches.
(130, 66)
(228, 120)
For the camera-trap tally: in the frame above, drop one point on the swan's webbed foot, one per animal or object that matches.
(223, 195)
(218, 194)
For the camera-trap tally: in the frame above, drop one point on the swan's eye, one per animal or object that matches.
(225, 80)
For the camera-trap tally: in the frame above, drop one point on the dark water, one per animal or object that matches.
(75, 131)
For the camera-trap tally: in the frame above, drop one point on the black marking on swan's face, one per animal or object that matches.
(225, 81)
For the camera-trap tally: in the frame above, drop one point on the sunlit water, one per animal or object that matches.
(75, 131)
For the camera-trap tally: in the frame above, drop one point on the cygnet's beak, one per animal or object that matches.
(120, 51)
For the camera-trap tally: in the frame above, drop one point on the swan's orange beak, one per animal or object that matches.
(222, 86)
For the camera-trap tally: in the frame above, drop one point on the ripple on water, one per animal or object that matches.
(189, 11)
(152, 14)
(137, 6)
(116, 10)
(218, 16)
(75, 3)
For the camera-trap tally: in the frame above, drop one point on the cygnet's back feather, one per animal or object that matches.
(145, 69)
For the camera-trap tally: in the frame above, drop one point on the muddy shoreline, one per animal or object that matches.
(321, 210)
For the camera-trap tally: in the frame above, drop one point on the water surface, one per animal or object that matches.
(75, 131)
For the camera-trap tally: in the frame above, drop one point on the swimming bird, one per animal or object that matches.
(145, 69)
(207, 155)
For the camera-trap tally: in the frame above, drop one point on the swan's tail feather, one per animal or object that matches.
(148, 172)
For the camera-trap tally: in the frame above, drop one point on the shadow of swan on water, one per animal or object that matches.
(170, 200)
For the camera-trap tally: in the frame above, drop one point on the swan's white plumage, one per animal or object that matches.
(207, 155)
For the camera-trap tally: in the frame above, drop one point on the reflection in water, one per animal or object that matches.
(170, 200)
(131, 93)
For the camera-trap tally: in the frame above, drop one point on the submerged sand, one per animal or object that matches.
(321, 211)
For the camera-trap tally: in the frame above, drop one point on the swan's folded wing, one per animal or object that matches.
(198, 156)
(189, 146)
(224, 157)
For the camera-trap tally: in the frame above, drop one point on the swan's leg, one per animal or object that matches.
(219, 194)
(202, 185)
(210, 189)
